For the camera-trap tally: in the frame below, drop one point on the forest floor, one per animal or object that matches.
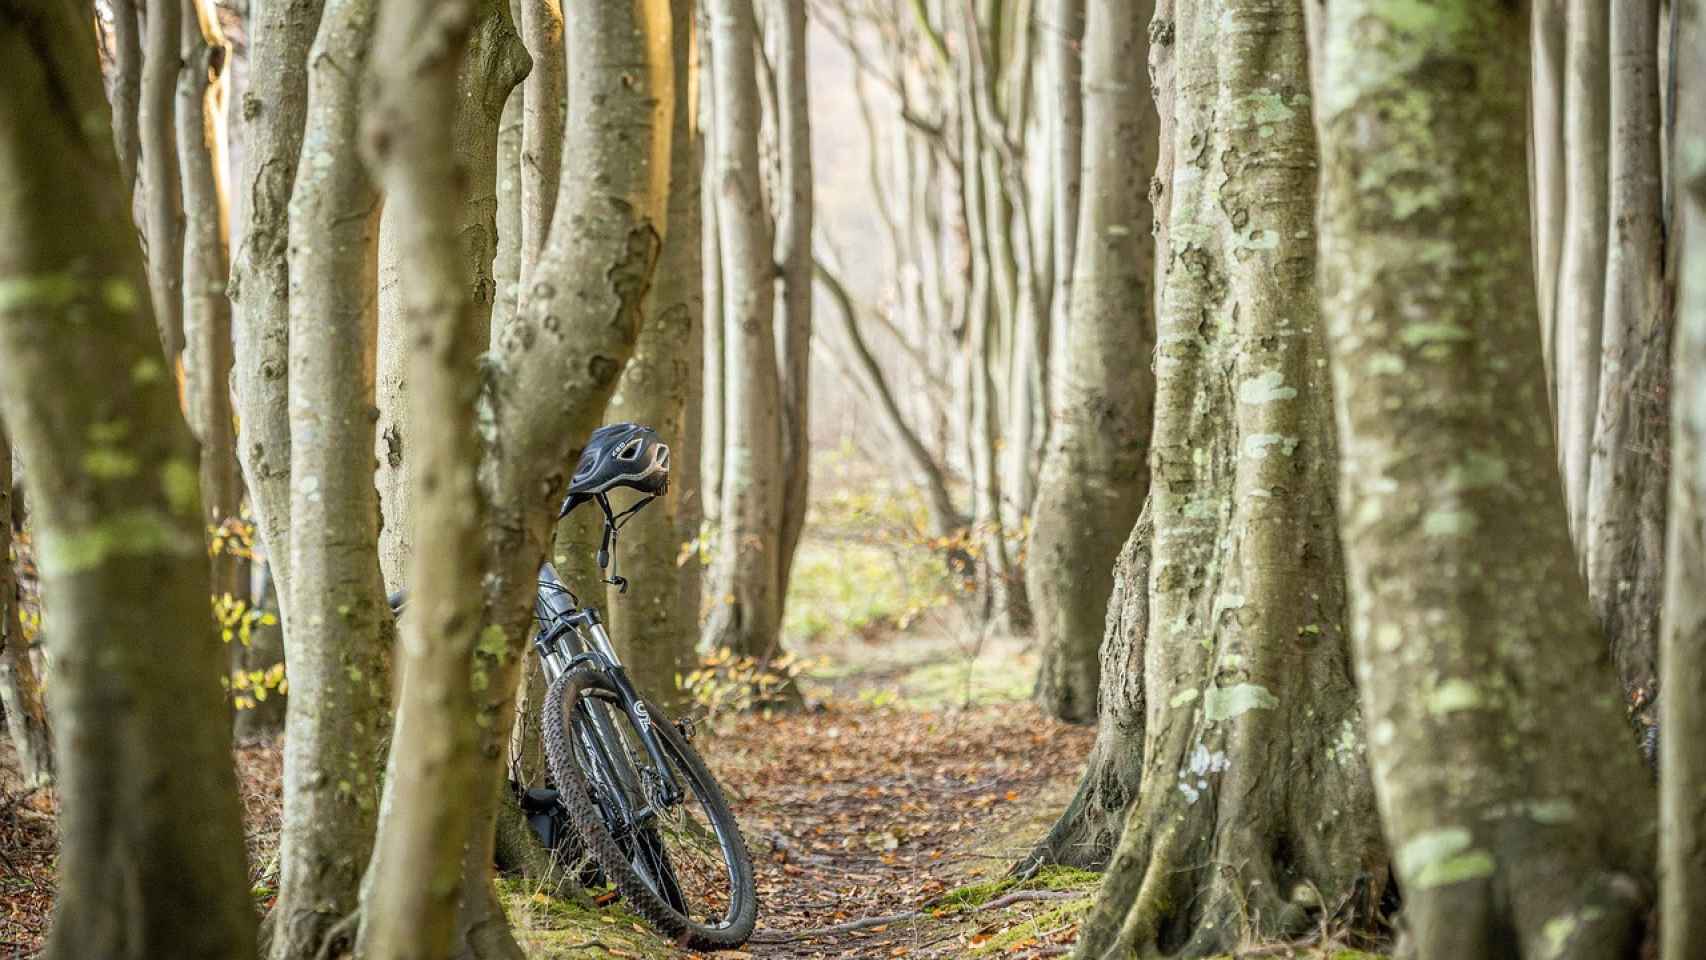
(882, 818)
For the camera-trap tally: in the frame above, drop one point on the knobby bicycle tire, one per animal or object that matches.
(577, 791)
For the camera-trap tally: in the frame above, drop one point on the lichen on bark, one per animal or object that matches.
(1495, 720)
(1247, 667)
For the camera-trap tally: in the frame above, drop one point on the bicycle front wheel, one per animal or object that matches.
(681, 864)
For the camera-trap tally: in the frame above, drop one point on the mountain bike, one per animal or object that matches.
(649, 815)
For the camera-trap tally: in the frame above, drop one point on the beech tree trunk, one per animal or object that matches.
(410, 124)
(20, 688)
(553, 369)
(1495, 722)
(163, 207)
(1252, 734)
(543, 128)
(1064, 42)
(656, 625)
(208, 353)
(786, 38)
(1548, 27)
(1580, 301)
(1628, 470)
(1096, 473)
(494, 63)
(127, 91)
(1682, 647)
(1087, 831)
(341, 630)
(506, 262)
(712, 390)
(746, 599)
(274, 111)
(150, 833)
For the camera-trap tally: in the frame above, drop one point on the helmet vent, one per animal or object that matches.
(631, 449)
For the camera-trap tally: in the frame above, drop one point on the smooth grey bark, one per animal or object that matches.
(272, 115)
(1548, 23)
(1682, 645)
(1253, 740)
(208, 352)
(712, 390)
(552, 370)
(340, 631)
(545, 105)
(494, 63)
(746, 596)
(274, 111)
(20, 688)
(410, 123)
(1064, 33)
(1495, 724)
(1580, 298)
(506, 262)
(656, 624)
(127, 89)
(1628, 469)
(162, 204)
(1096, 473)
(150, 856)
(785, 36)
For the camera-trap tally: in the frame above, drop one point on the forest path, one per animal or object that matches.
(857, 812)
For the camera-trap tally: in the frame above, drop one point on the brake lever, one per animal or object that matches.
(620, 583)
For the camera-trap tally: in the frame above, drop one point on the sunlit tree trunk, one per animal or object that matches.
(1682, 648)
(553, 369)
(150, 852)
(206, 263)
(1096, 473)
(656, 624)
(339, 641)
(1580, 299)
(746, 596)
(1627, 479)
(411, 123)
(20, 688)
(162, 204)
(1495, 724)
(1252, 733)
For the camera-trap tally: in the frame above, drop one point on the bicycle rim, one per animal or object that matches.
(678, 850)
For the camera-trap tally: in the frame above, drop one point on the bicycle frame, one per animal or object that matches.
(570, 636)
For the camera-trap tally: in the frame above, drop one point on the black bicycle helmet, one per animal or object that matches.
(620, 455)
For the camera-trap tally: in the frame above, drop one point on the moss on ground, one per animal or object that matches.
(574, 927)
(974, 895)
(1047, 922)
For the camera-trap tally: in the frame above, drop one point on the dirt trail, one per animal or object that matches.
(856, 812)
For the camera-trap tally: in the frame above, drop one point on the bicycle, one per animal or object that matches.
(649, 813)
